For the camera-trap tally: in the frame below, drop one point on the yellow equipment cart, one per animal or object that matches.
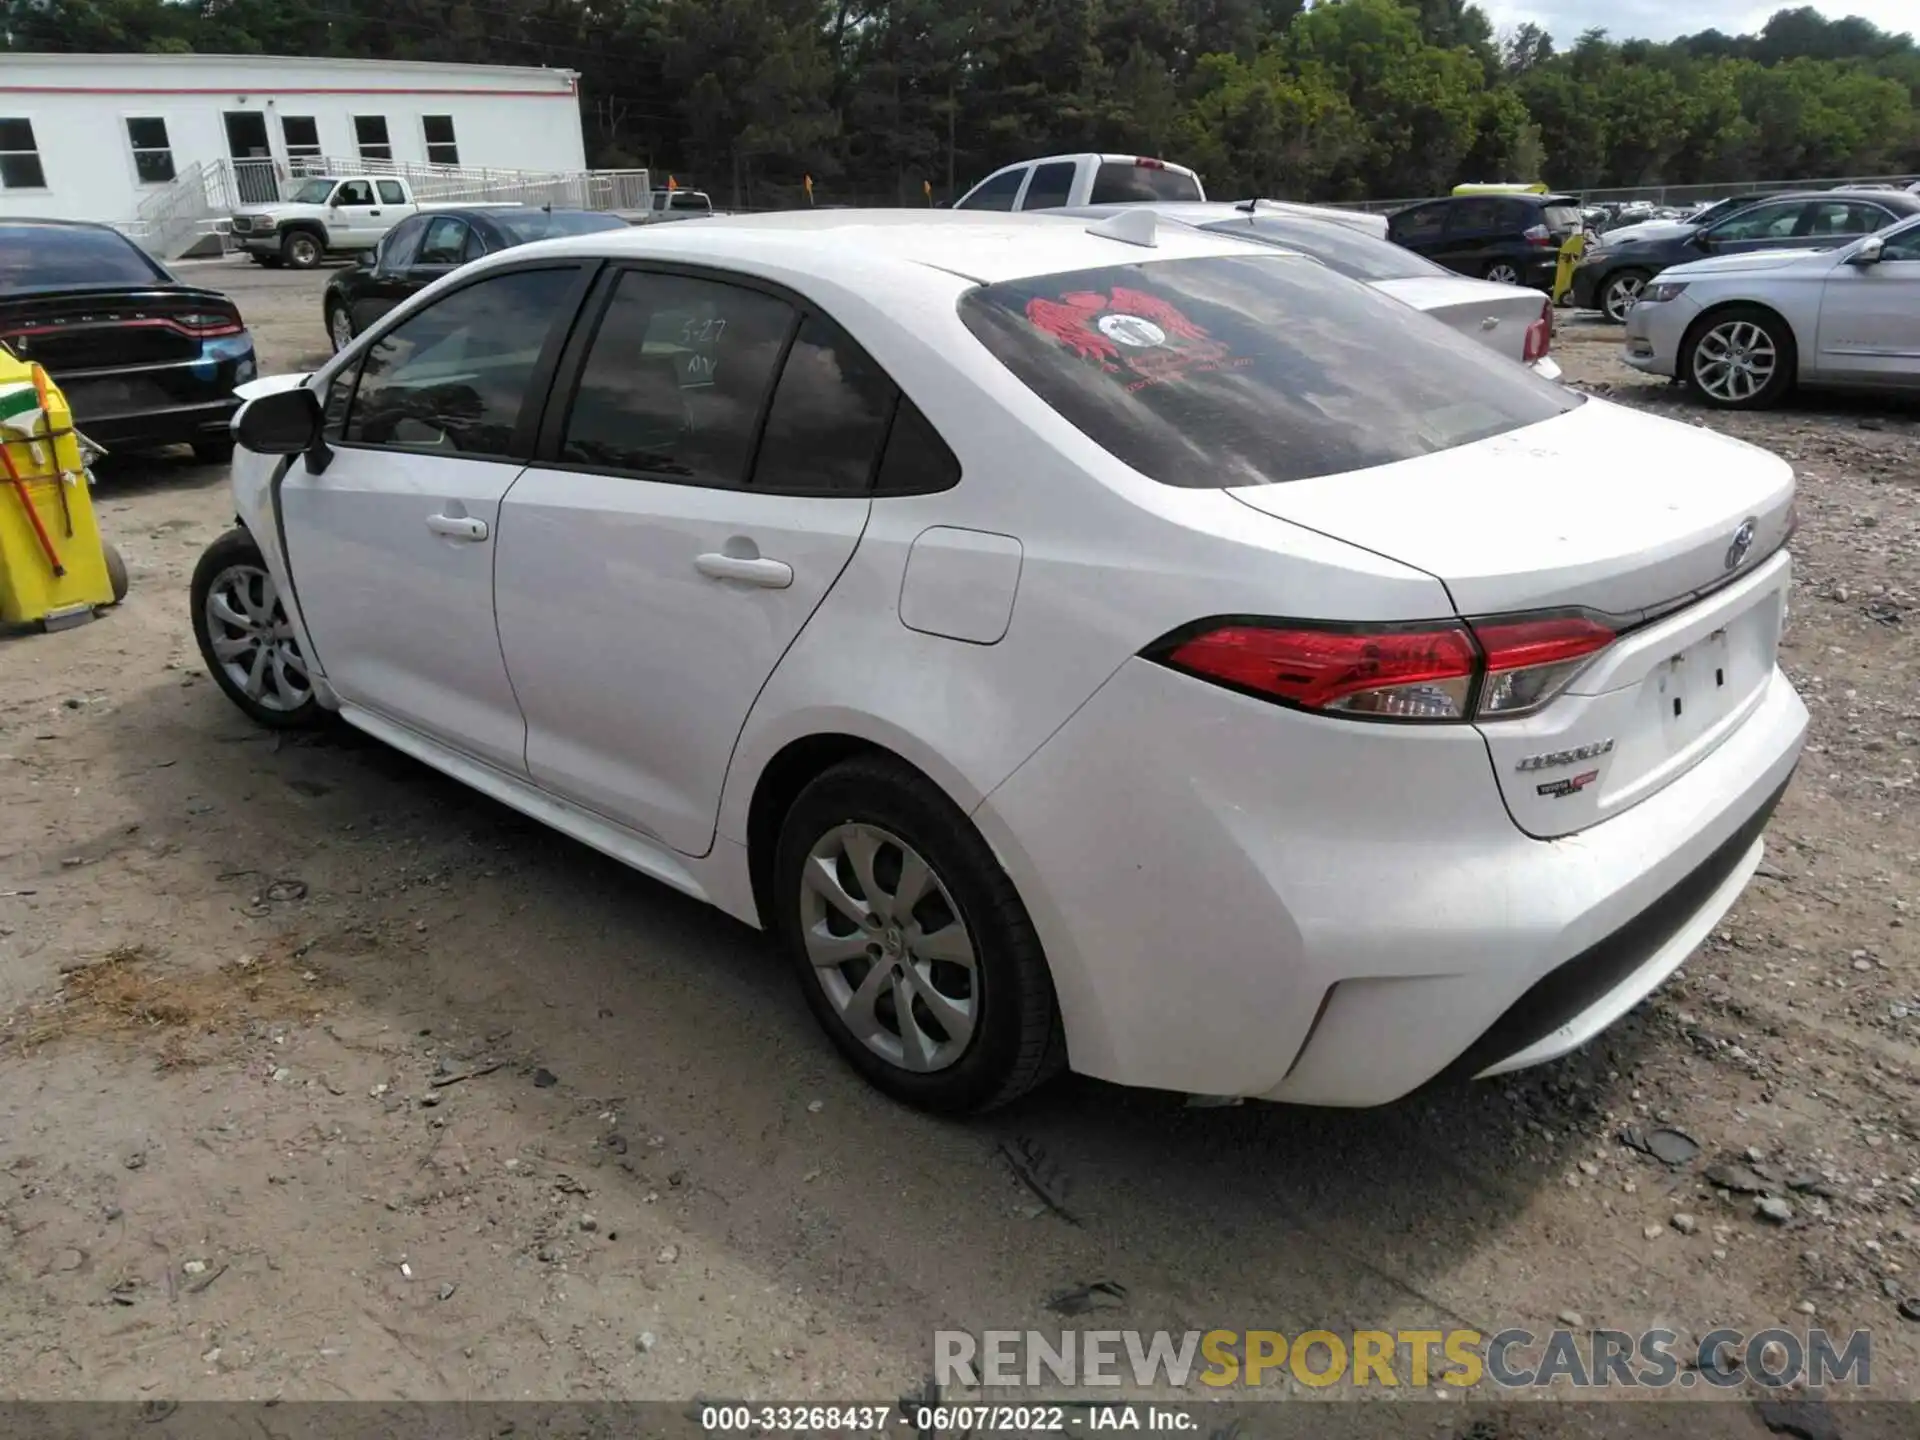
(54, 569)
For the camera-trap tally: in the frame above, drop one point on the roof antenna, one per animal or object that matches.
(1130, 227)
(1250, 207)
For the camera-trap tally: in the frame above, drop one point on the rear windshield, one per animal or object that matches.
(1250, 371)
(1563, 219)
(527, 226)
(55, 257)
(1338, 247)
(1119, 181)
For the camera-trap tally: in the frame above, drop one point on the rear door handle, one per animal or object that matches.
(457, 527)
(770, 574)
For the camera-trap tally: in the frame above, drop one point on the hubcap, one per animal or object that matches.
(1504, 275)
(1621, 295)
(889, 948)
(342, 330)
(252, 639)
(303, 251)
(1734, 361)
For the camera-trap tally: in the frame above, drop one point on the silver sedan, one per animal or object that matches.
(1741, 331)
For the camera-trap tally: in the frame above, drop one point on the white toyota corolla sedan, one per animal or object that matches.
(1106, 646)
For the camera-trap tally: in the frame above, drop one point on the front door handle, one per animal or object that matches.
(457, 527)
(770, 574)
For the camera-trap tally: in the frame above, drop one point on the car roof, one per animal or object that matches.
(982, 246)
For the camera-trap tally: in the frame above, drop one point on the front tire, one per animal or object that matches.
(301, 250)
(339, 327)
(910, 942)
(247, 639)
(1739, 358)
(1619, 292)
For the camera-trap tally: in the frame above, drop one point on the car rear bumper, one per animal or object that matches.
(1239, 899)
(161, 404)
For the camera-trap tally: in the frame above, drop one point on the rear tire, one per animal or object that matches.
(1503, 272)
(959, 955)
(301, 250)
(1742, 357)
(116, 572)
(339, 327)
(238, 615)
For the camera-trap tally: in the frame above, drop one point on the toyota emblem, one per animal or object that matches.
(1742, 542)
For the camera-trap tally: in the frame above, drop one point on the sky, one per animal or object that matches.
(1664, 19)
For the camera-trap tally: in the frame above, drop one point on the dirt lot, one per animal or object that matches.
(322, 1077)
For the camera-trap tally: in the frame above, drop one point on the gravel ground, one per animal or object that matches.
(323, 1077)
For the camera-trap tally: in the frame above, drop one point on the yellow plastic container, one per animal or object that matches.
(53, 572)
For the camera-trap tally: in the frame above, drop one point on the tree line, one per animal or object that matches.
(899, 101)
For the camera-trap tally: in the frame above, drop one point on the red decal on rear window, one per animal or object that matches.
(1129, 334)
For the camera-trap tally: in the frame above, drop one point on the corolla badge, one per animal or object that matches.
(1742, 543)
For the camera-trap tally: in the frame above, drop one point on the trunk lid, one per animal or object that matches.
(1671, 531)
(1495, 315)
(107, 327)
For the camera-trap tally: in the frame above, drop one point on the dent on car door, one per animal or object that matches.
(390, 541)
(696, 499)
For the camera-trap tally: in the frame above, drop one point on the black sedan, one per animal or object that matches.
(1612, 275)
(142, 359)
(423, 247)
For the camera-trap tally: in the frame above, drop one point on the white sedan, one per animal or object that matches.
(1742, 331)
(1110, 646)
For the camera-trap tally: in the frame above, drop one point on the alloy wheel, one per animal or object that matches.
(1735, 361)
(340, 329)
(1622, 292)
(253, 639)
(1503, 274)
(889, 947)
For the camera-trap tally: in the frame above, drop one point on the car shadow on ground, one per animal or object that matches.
(628, 989)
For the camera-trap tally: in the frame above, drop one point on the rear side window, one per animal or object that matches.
(676, 377)
(1422, 223)
(1762, 222)
(40, 257)
(1051, 186)
(995, 193)
(829, 415)
(1250, 371)
(1120, 181)
(916, 461)
(1474, 217)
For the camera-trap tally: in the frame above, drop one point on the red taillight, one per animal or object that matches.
(1537, 235)
(206, 324)
(1487, 670)
(1539, 335)
(1144, 163)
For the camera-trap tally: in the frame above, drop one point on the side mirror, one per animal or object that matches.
(284, 423)
(364, 260)
(1869, 253)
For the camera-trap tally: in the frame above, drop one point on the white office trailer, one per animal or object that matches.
(117, 138)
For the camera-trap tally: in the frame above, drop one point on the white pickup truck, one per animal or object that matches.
(330, 214)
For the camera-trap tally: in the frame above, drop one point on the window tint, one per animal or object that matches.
(1338, 247)
(354, 192)
(1119, 181)
(526, 226)
(1051, 186)
(675, 379)
(916, 461)
(152, 155)
(1842, 217)
(451, 379)
(441, 149)
(444, 240)
(997, 192)
(401, 244)
(475, 247)
(34, 257)
(828, 417)
(1474, 217)
(391, 193)
(1762, 222)
(20, 157)
(1423, 222)
(1248, 371)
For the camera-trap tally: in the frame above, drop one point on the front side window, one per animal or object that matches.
(354, 192)
(1123, 181)
(311, 192)
(1903, 246)
(675, 379)
(441, 146)
(997, 192)
(453, 378)
(396, 251)
(1250, 370)
(20, 157)
(446, 237)
(370, 134)
(1762, 222)
(152, 155)
(829, 415)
